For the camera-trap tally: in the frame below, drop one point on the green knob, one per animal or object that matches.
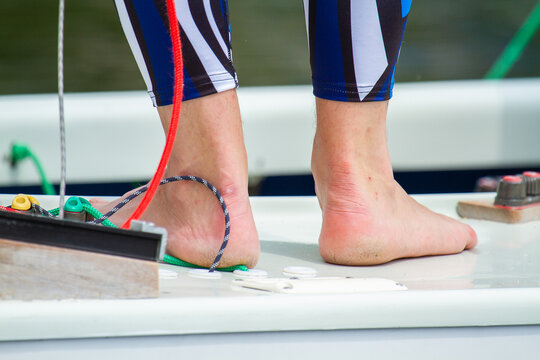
(73, 204)
(84, 201)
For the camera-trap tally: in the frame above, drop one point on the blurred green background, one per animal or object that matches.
(445, 39)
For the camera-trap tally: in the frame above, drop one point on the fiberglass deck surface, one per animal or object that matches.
(497, 283)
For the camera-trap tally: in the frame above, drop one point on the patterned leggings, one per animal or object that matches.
(353, 44)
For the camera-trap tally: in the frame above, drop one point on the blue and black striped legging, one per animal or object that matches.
(353, 44)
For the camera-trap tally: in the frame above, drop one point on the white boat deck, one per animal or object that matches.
(478, 304)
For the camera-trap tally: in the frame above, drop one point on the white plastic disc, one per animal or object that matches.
(299, 271)
(204, 274)
(251, 274)
(167, 274)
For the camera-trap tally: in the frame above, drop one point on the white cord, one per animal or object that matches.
(61, 106)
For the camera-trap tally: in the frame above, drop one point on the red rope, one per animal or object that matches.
(7, 209)
(177, 104)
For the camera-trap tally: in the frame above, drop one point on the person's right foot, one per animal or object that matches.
(370, 220)
(367, 217)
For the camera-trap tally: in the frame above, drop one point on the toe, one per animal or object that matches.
(472, 238)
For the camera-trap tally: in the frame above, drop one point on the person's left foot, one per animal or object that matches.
(209, 144)
(195, 222)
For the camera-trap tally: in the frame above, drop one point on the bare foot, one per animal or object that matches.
(367, 217)
(195, 222)
(209, 145)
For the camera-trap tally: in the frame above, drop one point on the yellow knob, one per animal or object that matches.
(33, 200)
(21, 202)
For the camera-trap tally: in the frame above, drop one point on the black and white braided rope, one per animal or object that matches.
(178, 178)
(41, 210)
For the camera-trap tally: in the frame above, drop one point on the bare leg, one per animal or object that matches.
(367, 217)
(209, 144)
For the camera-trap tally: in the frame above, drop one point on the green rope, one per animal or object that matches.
(20, 152)
(90, 210)
(517, 45)
(96, 214)
(175, 261)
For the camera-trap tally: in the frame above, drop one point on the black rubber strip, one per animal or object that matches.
(69, 234)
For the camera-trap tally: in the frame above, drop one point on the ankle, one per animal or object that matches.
(352, 136)
(349, 169)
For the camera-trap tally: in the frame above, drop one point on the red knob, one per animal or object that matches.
(531, 174)
(512, 179)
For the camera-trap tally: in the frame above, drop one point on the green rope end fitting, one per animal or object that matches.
(84, 201)
(84, 206)
(73, 204)
(18, 152)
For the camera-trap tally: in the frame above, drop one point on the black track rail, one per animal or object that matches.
(68, 234)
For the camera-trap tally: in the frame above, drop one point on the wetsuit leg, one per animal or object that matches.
(354, 46)
(206, 46)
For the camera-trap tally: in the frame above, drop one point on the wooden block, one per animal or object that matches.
(30, 272)
(485, 210)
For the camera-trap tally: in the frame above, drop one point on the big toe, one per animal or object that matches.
(471, 237)
(464, 235)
